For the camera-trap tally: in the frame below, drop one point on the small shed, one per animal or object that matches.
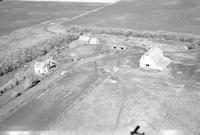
(117, 47)
(115, 43)
(154, 59)
(50, 63)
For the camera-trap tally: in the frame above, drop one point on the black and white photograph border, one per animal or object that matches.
(96, 67)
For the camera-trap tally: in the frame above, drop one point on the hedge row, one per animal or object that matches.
(26, 76)
(140, 34)
(17, 58)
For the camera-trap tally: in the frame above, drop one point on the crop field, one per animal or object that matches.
(158, 15)
(18, 14)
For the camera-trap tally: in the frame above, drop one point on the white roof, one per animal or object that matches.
(94, 40)
(84, 38)
(155, 59)
(155, 53)
(39, 64)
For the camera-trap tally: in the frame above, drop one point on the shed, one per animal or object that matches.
(154, 59)
(115, 43)
(117, 47)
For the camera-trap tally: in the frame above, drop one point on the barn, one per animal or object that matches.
(154, 59)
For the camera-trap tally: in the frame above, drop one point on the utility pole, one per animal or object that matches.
(118, 60)
(96, 67)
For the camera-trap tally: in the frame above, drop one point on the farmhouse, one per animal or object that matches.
(154, 59)
(40, 68)
(44, 67)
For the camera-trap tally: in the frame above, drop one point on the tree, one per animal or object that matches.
(31, 81)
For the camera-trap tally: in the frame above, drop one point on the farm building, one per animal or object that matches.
(88, 40)
(116, 44)
(42, 68)
(84, 39)
(154, 59)
(117, 47)
(94, 41)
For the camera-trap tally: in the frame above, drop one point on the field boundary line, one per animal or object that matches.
(66, 20)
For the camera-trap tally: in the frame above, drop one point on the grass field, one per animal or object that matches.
(15, 14)
(171, 15)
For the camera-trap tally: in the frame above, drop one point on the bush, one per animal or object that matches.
(189, 38)
(9, 85)
(31, 81)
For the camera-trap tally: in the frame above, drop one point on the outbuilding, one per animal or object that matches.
(94, 41)
(84, 39)
(88, 40)
(115, 43)
(154, 59)
(117, 47)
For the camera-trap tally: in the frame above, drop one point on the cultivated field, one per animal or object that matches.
(18, 14)
(160, 15)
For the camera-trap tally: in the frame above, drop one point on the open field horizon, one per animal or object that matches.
(155, 15)
(180, 16)
(19, 14)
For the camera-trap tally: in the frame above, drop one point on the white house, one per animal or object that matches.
(154, 59)
(41, 68)
(44, 67)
